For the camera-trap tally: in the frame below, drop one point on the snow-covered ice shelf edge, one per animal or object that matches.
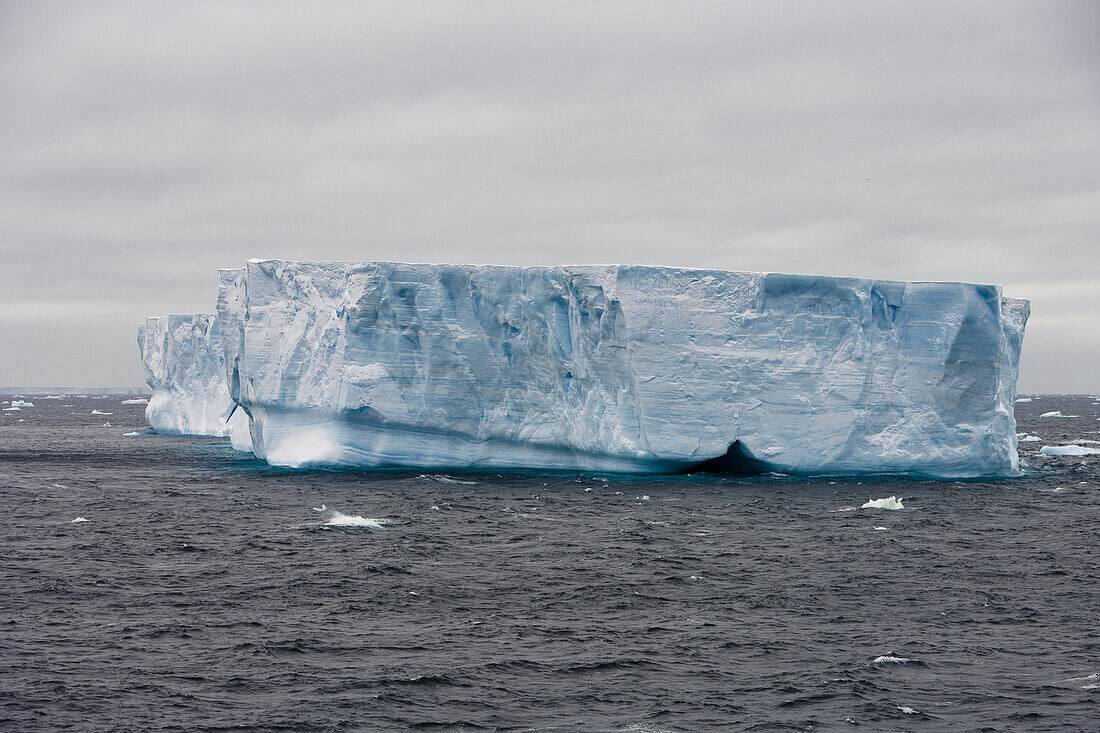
(620, 368)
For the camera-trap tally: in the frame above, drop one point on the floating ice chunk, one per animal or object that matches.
(54, 397)
(890, 658)
(882, 529)
(892, 503)
(1030, 439)
(345, 520)
(130, 435)
(78, 520)
(1055, 413)
(107, 424)
(908, 710)
(1068, 450)
(138, 401)
(97, 412)
(12, 409)
(319, 508)
(1023, 399)
(21, 403)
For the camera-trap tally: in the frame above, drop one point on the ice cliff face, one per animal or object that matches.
(184, 365)
(620, 368)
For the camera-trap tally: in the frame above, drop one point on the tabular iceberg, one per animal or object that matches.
(620, 368)
(184, 365)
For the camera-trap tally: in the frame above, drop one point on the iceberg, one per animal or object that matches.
(1068, 450)
(182, 359)
(620, 368)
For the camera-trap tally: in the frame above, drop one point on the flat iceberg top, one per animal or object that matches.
(620, 367)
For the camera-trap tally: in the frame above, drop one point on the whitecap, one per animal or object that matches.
(352, 520)
(78, 520)
(843, 509)
(892, 503)
(1068, 450)
(882, 529)
(908, 710)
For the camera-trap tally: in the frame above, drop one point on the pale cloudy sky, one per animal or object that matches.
(144, 145)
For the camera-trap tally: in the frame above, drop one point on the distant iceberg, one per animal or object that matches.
(1068, 450)
(609, 368)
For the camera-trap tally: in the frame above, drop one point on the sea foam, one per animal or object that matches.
(339, 519)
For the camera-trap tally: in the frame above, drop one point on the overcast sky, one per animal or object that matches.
(144, 145)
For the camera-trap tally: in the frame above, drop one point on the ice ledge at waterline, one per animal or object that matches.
(620, 368)
(184, 364)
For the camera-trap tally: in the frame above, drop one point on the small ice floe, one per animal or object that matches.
(1055, 413)
(12, 409)
(882, 529)
(1025, 438)
(54, 397)
(1068, 450)
(21, 403)
(892, 503)
(908, 710)
(446, 479)
(890, 659)
(97, 412)
(130, 435)
(319, 508)
(1023, 399)
(643, 497)
(353, 520)
(138, 401)
(78, 520)
(107, 424)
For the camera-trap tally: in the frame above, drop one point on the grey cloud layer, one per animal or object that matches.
(144, 145)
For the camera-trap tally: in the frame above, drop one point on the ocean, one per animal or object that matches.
(172, 584)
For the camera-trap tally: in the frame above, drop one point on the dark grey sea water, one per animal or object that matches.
(205, 592)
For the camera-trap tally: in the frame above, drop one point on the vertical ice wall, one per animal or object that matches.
(183, 360)
(620, 368)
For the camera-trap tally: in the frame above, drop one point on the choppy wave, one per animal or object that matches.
(446, 479)
(339, 519)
